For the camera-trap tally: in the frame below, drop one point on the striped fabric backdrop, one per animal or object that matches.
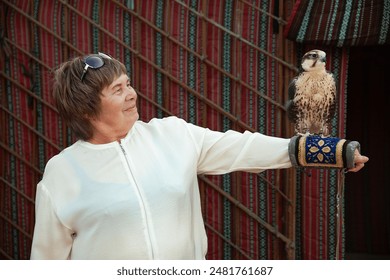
(340, 23)
(221, 64)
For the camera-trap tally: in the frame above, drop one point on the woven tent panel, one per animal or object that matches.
(19, 138)
(213, 63)
(340, 23)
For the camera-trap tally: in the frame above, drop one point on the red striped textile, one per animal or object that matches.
(340, 23)
(213, 63)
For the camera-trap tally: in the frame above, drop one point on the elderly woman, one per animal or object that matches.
(128, 189)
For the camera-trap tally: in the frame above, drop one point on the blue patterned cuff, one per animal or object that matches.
(317, 151)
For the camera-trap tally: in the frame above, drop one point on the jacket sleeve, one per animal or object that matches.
(230, 151)
(51, 240)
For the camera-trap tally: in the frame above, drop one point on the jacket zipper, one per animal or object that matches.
(141, 200)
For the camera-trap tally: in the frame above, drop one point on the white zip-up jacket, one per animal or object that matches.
(139, 198)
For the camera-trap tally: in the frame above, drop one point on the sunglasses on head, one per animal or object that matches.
(94, 61)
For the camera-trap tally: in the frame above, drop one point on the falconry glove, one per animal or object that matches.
(317, 151)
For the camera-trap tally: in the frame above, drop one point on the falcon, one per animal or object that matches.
(311, 101)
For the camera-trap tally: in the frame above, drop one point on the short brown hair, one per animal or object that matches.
(78, 101)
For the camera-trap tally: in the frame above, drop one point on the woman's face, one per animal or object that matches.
(118, 111)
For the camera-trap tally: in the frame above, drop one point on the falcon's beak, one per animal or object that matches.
(323, 59)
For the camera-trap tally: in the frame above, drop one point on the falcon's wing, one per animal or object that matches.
(332, 106)
(292, 111)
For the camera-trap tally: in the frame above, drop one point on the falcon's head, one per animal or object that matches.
(314, 60)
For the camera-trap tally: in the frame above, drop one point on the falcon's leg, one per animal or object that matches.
(324, 131)
(301, 129)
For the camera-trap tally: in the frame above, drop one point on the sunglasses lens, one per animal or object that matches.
(94, 62)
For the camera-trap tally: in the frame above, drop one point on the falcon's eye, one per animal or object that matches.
(314, 55)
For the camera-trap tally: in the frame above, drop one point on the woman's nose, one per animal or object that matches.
(130, 93)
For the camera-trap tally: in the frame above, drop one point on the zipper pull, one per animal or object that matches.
(120, 145)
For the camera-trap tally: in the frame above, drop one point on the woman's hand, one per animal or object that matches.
(359, 162)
